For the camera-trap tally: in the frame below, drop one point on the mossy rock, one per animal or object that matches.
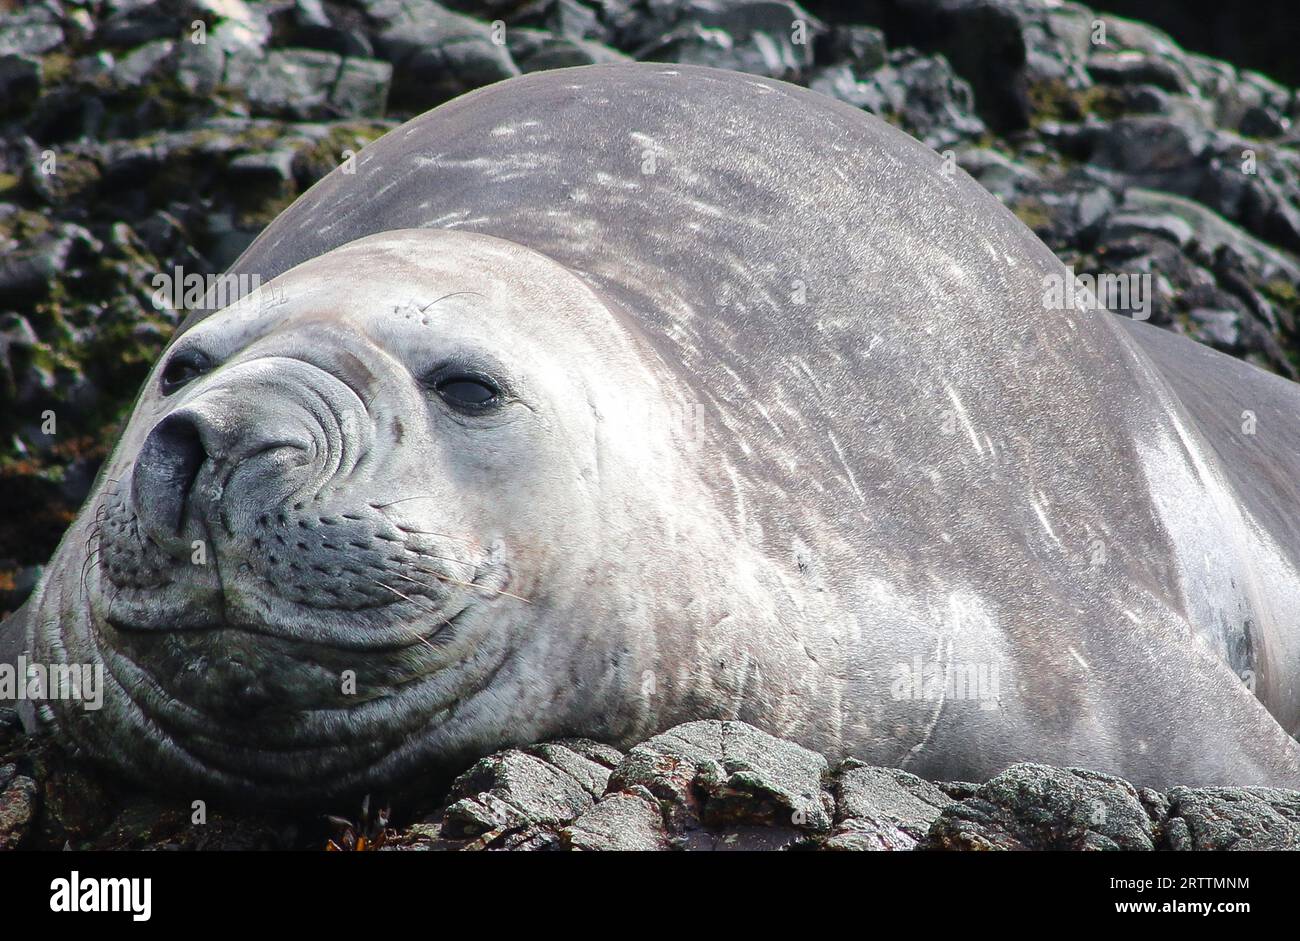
(312, 163)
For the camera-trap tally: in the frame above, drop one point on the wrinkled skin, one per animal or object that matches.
(897, 456)
(350, 519)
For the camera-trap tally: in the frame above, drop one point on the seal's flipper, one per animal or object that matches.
(1244, 420)
(1246, 415)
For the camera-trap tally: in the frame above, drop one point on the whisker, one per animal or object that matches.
(418, 496)
(87, 567)
(413, 581)
(416, 634)
(430, 532)
(452, 294)
(441, 558)
(416, 581)
(477, 587)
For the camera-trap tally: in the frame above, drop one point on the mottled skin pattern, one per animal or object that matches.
(892, 451)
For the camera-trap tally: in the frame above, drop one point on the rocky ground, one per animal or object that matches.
(700, 786)
(137, 137)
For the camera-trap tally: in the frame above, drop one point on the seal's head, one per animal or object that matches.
(345, 508)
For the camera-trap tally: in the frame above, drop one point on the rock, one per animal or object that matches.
(134, 26)
(1212, 231)
(1032, 806)
(869, 834)
(716, 774)
(157, 826)
(20, 83)
(313, 28)
(859, 48)
(711, 786)
(140, 63)
(1134, 68)
(928, 100)
(436, 54)
(233, 49)
(310, 84)
(764, 37)
(18, 806)
(919, 93)
(522, 796)
(75, 807)
(27, 275)
(1167, 226)
(567, 19)
(998, 173)
(275, 165)
(1233, 818)
(998, 66)
(1220, 327)
(361, 88)
(536, 51)
(294, 83)
(626, 820)
(30, 32)
(882, 808)
(1150, 150)
(588, 763)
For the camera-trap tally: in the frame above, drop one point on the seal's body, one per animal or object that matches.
(609, 398)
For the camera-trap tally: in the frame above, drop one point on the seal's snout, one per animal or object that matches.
(174, 475)
(165, 472)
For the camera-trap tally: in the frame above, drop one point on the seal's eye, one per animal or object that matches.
(183, 367)
(468, 393)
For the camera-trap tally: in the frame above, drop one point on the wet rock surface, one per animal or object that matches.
(703, 786)
(141, 138)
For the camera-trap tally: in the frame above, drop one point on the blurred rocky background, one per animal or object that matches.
(700, 786)
(137, 137)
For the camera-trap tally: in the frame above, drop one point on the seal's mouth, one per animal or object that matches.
(325, 580)
(269, 696)
(440, 635)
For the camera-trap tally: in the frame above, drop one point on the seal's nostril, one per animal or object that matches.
(165, 471)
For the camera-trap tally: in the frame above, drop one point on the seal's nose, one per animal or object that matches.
(258, 435)
(164, 473)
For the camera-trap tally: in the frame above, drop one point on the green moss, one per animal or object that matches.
(1284, 292)
(25, 225)
(1103, 101)
(1286, 296)
(56, 68)
(1033, 212)
(260, 210)
(76, 178)
(261, 137)
(1054, 100)
(321, 158)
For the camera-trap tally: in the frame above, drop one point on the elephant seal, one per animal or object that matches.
(608, 398)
